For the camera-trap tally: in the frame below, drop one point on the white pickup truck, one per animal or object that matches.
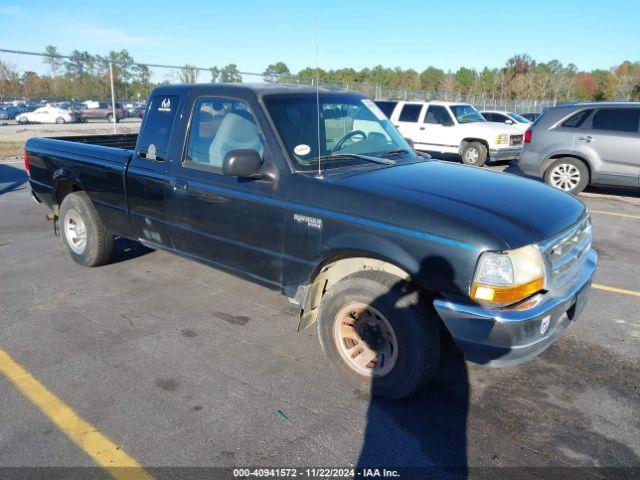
(458, 128)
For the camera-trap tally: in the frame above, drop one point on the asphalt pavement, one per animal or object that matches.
(178, 364)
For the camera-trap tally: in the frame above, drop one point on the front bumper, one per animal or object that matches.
(512, 335)
(505, 153)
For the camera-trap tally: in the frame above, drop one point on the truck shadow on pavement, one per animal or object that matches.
(126, 249)
(424, 435)
(11, 178)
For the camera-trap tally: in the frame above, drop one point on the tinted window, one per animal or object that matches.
(157, 127)
(577, 119)
(498, 117)
(438, 115)
(410, 113)
(387, 107)
(617, 119)
(488, 116)
(219, 126)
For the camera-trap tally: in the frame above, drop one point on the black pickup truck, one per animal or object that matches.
(314, 193)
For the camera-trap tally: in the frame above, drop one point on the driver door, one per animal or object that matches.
(236, 223)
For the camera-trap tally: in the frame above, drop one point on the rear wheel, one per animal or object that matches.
(110, 117)
(377, 333)
(60, 120)
(22, 120)
(474, 154)
(83, 233)
(567, 174)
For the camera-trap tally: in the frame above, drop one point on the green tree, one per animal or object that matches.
(189, 74)
(230, 74)
(215, 74)
(53, 59)
(431, 79)
(275, 72)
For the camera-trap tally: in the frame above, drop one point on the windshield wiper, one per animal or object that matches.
(396, 151)
(366, 158)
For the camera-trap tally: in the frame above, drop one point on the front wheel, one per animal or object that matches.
(375, 330)
(60, 120)
(22, 120)
(83, 233)
(474, 154)
(568, 174)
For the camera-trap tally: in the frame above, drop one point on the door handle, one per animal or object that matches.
(178, 186)
(422, 128)
(586, 138)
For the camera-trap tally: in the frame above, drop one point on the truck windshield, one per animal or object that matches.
(466, 114)
(349, 126)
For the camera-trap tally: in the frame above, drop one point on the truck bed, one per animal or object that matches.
(124, 141)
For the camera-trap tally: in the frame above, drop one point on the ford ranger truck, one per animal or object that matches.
(317, 195)
(455, 128)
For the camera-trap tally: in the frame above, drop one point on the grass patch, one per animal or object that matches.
(11, 149)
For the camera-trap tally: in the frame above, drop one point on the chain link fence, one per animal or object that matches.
(101, 94)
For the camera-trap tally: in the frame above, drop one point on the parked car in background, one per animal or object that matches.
(509, 118)
(47, 114)
(102, 110)
(457, 128)
(10, 112)
(573, 146)
(533, 116)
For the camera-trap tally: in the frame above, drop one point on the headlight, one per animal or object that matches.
(502, 139)
(508, 277)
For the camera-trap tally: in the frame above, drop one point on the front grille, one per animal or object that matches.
(567, 251)
(516, 139)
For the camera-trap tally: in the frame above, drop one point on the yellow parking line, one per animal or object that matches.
(626, 215)
(103, 451)
(616, 290)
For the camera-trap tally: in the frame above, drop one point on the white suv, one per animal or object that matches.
(449, 127)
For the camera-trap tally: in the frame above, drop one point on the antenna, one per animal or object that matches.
(319, 175)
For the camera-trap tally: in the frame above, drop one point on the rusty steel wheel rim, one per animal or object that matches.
(365, 340)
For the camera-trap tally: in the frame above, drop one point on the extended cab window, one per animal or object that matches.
(218, 126)
(438, 115)
(154, 137)
(577, 119)
(617, 119)
(410, 113)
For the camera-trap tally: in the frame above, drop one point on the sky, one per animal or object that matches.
(252, 34)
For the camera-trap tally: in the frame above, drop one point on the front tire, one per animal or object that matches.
(474, 154)
(60, 120)
(83, 233)
(567, 174)
(22, 120)
(376, 331)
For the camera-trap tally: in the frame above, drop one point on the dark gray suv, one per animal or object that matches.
(572, 146)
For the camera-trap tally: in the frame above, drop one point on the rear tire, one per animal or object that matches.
(567, 174)
(60, 120)
(474, 154)
(110, 118)
(377, 309)
(83, 233)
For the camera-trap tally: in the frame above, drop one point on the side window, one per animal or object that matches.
(386, 107)
(498, 117)
(617, 119)
(488, 116)
(153, 142)
(218, 126)
(438, 115)
(410, 113)
(577, 119)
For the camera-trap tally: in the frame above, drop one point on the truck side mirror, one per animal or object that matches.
(242, 163)
(409, 141)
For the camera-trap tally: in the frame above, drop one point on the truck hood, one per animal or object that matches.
(514, 210)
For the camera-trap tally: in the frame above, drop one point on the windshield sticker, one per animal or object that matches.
(374, 109)
(302, 149)
(165, 106)
(151, 152)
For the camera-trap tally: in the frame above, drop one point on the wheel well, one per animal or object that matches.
(332, 271)
(63, 188)
(479, 140)
(566, 155)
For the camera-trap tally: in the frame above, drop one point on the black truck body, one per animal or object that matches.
(286, 225)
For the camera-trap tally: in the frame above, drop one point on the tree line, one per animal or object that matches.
(81, 75)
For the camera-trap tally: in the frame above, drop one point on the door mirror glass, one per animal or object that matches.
(509, 122)
(242, 163)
